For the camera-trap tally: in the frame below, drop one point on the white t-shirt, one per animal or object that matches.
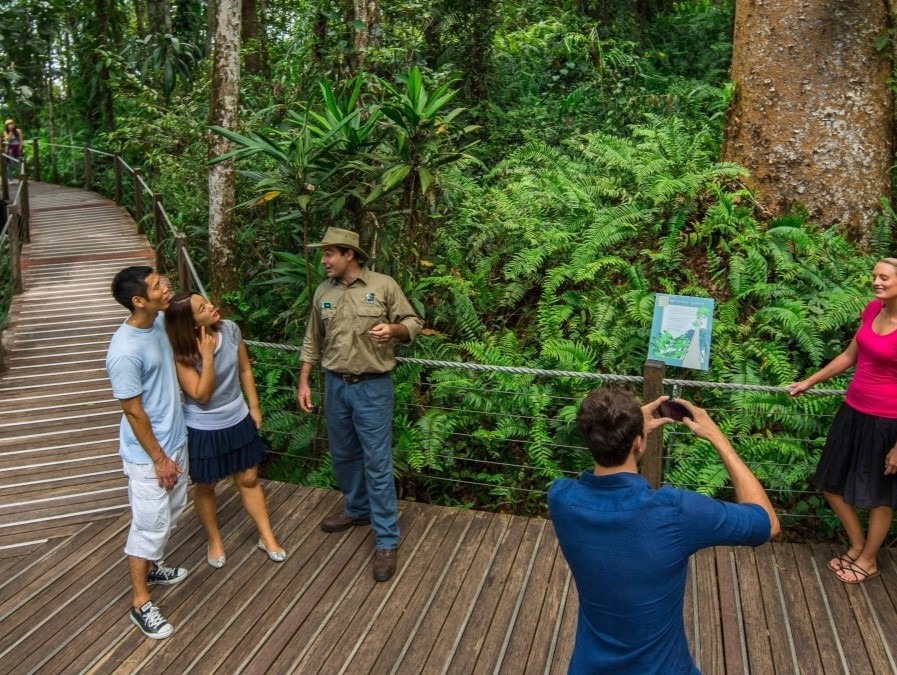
(140, 363)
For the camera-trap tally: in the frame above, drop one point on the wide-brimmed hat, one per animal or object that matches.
(335, 236)
(8, 122)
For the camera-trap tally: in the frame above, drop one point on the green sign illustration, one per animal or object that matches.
(680, 332)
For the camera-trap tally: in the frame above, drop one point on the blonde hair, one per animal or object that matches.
(890, 261)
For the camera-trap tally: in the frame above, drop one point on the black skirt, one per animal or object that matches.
(217, 454)
(852, 463)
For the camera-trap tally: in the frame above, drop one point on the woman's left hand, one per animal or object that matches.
(256, 415)
(891, 462)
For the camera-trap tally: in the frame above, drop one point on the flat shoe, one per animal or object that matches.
(276, 556)
(218, 562)
(859, 574)
(837, 564)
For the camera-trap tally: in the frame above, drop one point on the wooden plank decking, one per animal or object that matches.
(475, 592)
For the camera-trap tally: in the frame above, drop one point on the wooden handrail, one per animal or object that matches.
(163, 229)
(15, 230)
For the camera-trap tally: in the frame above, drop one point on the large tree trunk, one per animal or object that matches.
(812, 113)
(363, 39)
(222, 177)
(159, 15)
(141, 19)
(211, 24)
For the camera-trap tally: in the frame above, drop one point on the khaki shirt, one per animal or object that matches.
(341, 317)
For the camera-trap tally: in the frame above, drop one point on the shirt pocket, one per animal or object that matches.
(327, 315)
(368, 316)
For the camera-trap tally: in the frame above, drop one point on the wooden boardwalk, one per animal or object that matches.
(474, 593)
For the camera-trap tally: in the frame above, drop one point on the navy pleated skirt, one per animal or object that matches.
(852, 463)
(217, 454)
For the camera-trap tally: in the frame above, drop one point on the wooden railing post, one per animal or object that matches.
(652, 461)
(35, 162)
(158, 232)
(25, 202)
(138, 201)
(116, 164)
(15, 253)
(2, 353)
(4, 179)
(88, 170)
(184, 278)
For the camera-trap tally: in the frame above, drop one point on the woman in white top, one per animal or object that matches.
(223, 440)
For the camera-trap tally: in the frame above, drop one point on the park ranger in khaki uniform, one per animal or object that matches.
(357, 317)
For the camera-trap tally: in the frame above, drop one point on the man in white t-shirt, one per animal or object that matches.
(152, 437)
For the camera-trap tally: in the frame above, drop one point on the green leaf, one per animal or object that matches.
(394, 175)
(426, 179)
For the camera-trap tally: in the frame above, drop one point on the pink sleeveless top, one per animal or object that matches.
(873, 389)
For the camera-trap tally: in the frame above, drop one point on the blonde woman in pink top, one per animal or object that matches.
(858, 466)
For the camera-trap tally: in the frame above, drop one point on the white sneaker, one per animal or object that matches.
(165, 576)
(151, 622)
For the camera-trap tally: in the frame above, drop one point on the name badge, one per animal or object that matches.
(326, 305)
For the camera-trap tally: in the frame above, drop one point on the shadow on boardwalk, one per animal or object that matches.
(475, 592)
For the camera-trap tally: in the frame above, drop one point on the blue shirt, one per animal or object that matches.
(140, 362)
(628, 547)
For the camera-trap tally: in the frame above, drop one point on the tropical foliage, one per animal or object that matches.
(533, 173)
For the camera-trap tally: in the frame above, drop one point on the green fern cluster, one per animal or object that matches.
(572, 243)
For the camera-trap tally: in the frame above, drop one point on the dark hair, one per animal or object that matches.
(358, 257)
(610, 419)
(181, 328)
(130, 283)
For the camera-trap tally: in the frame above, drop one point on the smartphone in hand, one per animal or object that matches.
(675, 411)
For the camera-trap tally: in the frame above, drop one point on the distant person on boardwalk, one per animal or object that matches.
(858, 465)
(223, 439)
(628, 545)
(12, 138)
(356, 318)
(152, 438)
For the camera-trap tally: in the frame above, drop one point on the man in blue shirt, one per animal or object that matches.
(628, 545)
(152, 437)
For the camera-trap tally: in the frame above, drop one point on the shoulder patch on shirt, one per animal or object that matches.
(369, 298)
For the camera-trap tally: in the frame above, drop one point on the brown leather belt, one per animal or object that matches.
(350, 378)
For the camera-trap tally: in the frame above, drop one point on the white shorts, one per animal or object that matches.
(154, 509)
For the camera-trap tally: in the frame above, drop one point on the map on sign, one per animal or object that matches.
(680, 332)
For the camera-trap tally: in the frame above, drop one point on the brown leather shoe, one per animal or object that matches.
(384, 564)
(340, 521)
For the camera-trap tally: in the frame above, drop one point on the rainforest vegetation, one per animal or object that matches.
(532, 172)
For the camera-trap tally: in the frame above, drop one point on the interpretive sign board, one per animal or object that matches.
(680, 332)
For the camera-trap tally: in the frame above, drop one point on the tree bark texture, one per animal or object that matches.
(159, 15)
(222, 176)
(211, 24)
(141, 20)
(812, 113)
(363, 39)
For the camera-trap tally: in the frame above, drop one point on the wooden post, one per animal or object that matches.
(138, 202)
(25, 201)
(116, 165)
(4, 179)
(2, 353)
(185, 281)
(35, 162)
(15, 253)
(158, 232)
(652, 461)
(88, 170)
(24, 210)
